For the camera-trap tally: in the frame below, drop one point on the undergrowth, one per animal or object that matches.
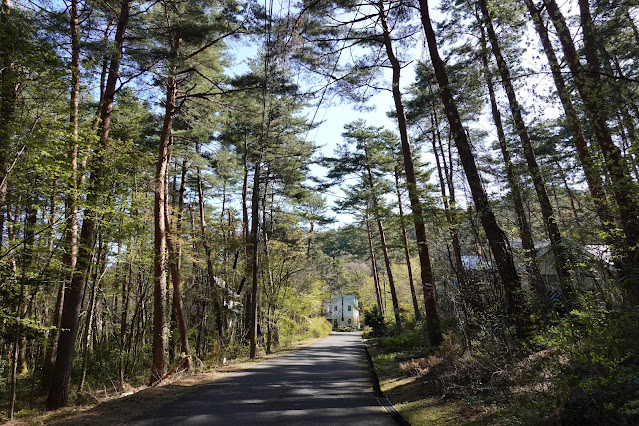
(584, 368)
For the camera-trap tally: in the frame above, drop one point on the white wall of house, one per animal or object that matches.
(342, 310)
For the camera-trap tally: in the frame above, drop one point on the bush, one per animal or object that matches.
(375, 320)
(320, 327)
(401, 342)
(597, 364)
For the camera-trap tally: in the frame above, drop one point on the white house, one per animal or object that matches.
(342, 310)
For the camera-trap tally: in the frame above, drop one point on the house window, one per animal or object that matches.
(349, 308)
(349, 320)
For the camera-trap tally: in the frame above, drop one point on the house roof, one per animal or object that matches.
(600, 252)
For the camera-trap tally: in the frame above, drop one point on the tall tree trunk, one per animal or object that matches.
(311, 231)
(389, 272)
(160, 327)
(175, 262)
(89, 322)
(409, 267)
(589, 85)
(59, 392)
(124, 315)
(255, 199)
(27, 260)
(591, 170)
(9, 87)
(453, 230)
(497, 239)
(371, 248)
(382, 239)
(70, 244)
(525, 232)
(428, 282)
(547, 211)
(209, 262)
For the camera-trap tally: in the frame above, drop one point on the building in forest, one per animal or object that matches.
(342, 310)
(594, 266)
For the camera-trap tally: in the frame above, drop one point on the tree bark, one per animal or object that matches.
(428, 282)
(382, 239)
(89, 321)
(124, 315)
(27, 260)
(70, 244)
(371, 248)
(525, 232)
(591, 170)
(254, 258)
(409, 267)
(9, 87)
(452, 226)
(209, 262)
(160, 327)
(59, 392)
(175, 262)
(552, 228)
(587, 81)
(497, 239)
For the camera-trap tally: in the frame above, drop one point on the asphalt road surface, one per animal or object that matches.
(325, 383)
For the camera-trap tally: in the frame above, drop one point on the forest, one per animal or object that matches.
(164, 205)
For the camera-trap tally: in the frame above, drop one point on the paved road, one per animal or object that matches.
(325, 383)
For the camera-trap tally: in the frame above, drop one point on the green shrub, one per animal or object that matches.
(597, 364)
(375, 320)
(320, 327)
(401, 342)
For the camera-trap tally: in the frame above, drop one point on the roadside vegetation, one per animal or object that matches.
(167, 204)
(582, 368)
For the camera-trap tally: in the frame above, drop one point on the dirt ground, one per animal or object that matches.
(126, 407)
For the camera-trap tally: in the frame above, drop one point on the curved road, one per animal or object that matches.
(325, 383)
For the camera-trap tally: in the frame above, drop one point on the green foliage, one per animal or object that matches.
(235, 349)
(401, 342)
(375, 320)
(319, 327)
(596, 365)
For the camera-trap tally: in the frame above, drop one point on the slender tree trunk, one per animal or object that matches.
(389, 272)
(573, 202)
(428, 282)
(496, 237)
(59, 392)
(547, 211)
(124, 315)
(9, 87)
(588, 83)
(27, 260)
(209, 262)
(382, 239)
(371, 248)
(254, 258)
(525, 232)
(591, 170)
(452, 225)
(409, 267)
(175, 262)
(89, 322)
(310, 238)
(160, 327)
(267, 269)
(70, 244)
(245, 216)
